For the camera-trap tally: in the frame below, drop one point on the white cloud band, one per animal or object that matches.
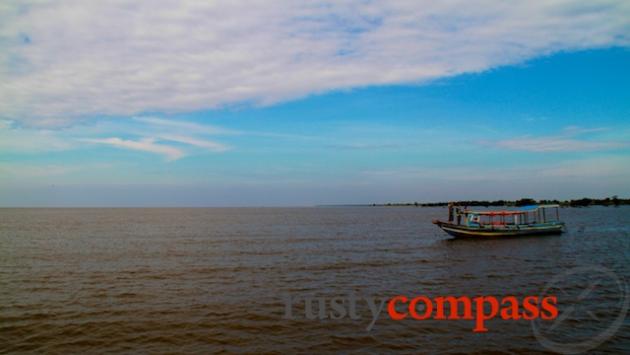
(66, 59)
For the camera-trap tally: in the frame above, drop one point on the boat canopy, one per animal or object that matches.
(535, 207)
(520, 211)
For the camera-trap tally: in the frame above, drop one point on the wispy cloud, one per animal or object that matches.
(606, 167)
(202, 143)
(126, 57)
(366, 146)
(577, 130)
(570, 140)
(185, 126)
(610, 166)
(146, 145)
(152, 137)
(23, 140)
(557, 144)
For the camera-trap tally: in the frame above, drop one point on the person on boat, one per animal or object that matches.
(450, 212)
(474, 220)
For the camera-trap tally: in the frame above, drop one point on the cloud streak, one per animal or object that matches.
(568, 141)
(202, 143)
(557, 144)
(63, 60)
(185, 126)
(145, 145)
(154, 136)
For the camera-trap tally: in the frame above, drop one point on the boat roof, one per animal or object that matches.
(535, 207)
(521, 210)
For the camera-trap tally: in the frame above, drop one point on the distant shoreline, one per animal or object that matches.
(583, 202)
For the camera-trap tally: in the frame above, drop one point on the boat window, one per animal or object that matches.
(551, 214)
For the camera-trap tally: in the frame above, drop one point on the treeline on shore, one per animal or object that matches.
(583, 202)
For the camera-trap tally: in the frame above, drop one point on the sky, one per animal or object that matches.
(282, 103)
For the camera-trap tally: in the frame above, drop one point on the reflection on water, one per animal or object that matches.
(175, 280)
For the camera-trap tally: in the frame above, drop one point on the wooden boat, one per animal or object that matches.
(526, 221)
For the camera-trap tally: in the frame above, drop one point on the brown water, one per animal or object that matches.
(206, 280)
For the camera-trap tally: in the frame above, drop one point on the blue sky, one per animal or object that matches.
(426, 103)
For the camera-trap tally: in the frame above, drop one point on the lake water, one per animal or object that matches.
(206, 280)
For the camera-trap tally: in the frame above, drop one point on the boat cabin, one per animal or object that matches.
(528, 215)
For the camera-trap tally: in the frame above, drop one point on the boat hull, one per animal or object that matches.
(460, 231)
